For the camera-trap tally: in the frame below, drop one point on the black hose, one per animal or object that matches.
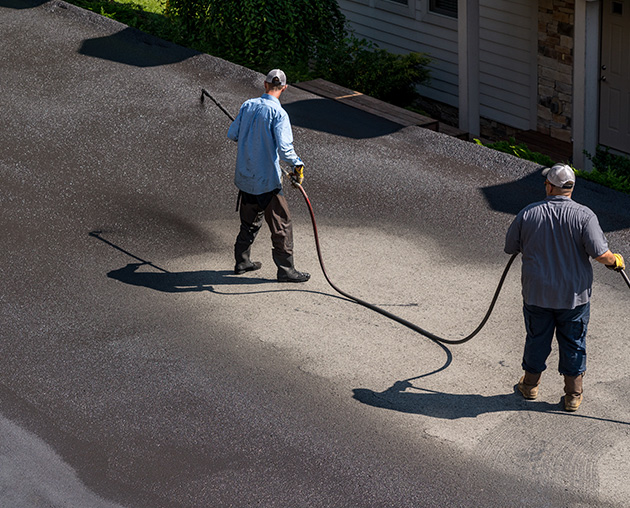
(204, 93)
(389, 315)
(416, 328)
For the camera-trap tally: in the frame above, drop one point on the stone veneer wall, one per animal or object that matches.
(556, 19)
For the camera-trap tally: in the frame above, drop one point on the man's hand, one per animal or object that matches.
(619, 264)
(298, 175)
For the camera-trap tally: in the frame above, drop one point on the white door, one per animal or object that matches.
(614, 122)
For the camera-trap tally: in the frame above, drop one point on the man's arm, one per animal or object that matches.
(235, 126)
(612, 261)
(513, 237)
(233, 130)
(284, 140)
(607, 258)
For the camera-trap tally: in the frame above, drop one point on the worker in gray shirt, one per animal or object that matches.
(557, 237)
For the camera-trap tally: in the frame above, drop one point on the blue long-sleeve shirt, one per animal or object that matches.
(263, 132)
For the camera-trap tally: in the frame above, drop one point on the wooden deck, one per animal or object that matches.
(376, 107)
(559, 151)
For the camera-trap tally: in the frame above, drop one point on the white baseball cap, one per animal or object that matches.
(560, 175)
(276, 77)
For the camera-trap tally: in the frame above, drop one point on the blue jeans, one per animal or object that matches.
(570, 326)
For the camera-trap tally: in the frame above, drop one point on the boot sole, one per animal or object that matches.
(294, 280)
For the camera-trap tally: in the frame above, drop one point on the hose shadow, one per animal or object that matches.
(404, 397)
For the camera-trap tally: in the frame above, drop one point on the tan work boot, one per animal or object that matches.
(573, 390)
(528, 385)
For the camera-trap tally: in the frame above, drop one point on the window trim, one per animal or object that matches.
(438, 13)
(407, 10)
(439, 19)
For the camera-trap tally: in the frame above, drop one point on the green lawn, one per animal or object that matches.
(156, 6)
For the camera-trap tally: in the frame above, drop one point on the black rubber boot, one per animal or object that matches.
(252, 266)
(250, 226)
(286, 269)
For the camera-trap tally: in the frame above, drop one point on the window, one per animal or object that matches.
(402, 7)
(445, 7)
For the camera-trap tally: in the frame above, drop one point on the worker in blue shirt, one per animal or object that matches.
(557, 238)
(263, 133)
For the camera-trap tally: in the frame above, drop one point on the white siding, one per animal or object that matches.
(507, 50)
(507, 61)
(403, 30)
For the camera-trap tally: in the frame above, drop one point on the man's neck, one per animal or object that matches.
(555, 193)
(274, 92)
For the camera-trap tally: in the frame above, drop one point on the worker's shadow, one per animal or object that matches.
(201, 280)
(402, 396)
(179, 282)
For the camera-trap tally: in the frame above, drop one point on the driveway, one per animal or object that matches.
(138, 371)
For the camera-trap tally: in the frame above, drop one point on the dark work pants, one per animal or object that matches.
(570, 326)
(274, 209)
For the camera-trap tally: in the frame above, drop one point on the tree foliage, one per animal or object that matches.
(261, 33)
(306, 38)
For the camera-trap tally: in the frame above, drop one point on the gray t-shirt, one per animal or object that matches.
(556, 237)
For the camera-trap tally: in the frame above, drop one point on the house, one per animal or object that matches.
(555, 67)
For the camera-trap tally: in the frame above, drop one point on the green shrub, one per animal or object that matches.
(363, 66)
(519, 150)
(261, 33)
(306, 38)
(604, 160)
(144, 15)
(609, 169)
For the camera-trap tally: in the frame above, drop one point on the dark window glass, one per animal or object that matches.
(446, 7)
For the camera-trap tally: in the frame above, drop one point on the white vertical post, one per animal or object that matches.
(586, 81)
(468, 65)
